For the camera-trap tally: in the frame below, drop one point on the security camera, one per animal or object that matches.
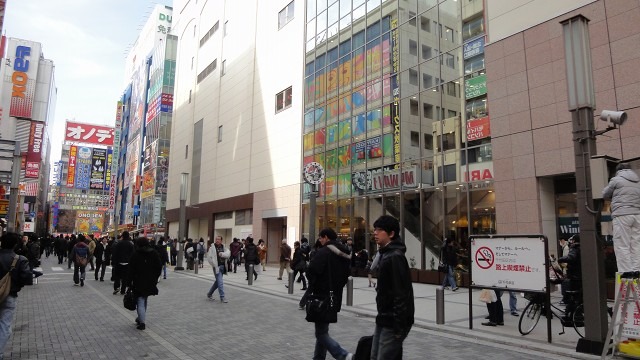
(613, 118)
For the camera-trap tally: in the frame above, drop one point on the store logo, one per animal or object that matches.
(20, 67)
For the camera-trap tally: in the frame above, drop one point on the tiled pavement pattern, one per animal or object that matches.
(56, 320)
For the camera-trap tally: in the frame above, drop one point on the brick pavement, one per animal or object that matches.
(56, 320)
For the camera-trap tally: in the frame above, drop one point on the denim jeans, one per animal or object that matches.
(385, 345)
(142, 308)
(78, 269)
(324, 342)
(218, 284)
(449, 278)
(7, 309)
(513, 302)
(164, 269)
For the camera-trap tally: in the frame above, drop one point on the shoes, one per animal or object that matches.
(489, 323)
(369, 284)
(223, 300)
(96, 279)
(115, 292)
(446, 288)
(164, 277)
(137, 321)
(75, 284)
(255, 276)
(349, 356)
(300, 307)
(101, 279)
(304, 288)
(141, 326)
(456, 289)
(501, 323)
(279, 278)
(210, 298)
(81, 282)
(515, 313)
(487, 317)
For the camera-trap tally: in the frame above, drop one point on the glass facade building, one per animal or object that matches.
(395, 110)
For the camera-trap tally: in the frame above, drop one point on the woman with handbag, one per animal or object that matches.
(145, 268)
(449, 258)
(299, 265)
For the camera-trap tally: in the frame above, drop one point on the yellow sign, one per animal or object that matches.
(4, 207)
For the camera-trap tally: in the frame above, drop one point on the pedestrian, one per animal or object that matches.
(164, 255)
(201, 252)
(236, 248)
(573, 280)
(20, 276)
(312, 253)
(26, 249)
(174, 251)
(262, 254)
(394, 298)
(72, 242)
(328, 273)
(285, 257)
(190, 253)
(299, 265)
(251, 257)
(145, 267)
(80, 256)
(120, 256)
(449, 257)
(624, 192)
(92, 246)
(60, 245)
(496, 311)
(216, 257)
(101, 258)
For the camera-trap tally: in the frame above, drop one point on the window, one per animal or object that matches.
(426, 52)
(244, 217)
(474, 64)
(425, 24)
(223, 69)
(283, 99)
(451, 89)
(220, 133)
(427, 81)
(448, 141)
(413, 105)
(186, 151)
(189, 96)
(413, 47)
(448, 60)
(452, 113)
(476, 108)
(209, 33)
(413, 77)
(473, 28)
(208, 70)
(412, 18)
(427, 110)
(415, 138)
(226, 28)
(428, 141)
(285, 15)
(224, 216)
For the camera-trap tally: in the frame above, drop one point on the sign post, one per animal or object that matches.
(313, 174)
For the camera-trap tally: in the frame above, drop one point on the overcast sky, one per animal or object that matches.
(87, 41)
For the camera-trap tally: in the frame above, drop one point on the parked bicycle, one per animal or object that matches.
(536, 308)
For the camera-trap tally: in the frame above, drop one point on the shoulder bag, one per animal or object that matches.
(129, 300)
(319, 305)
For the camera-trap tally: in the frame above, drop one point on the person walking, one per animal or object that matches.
(60, 245)
(201, 252)
(164, 255)
(285, 257)
(234, 260)
(299, 264)
(573, 280)
(251, 257)
(101, 259)
(216, 257)
(449, 257)
(20, 276)
(145, 267)
(624, 192)
(262, 254)
(72, 242)
(394, 298)
(312, 253)
(174, 251)
(91, 243)
(80, 256)
(120, 256)
(328, 273)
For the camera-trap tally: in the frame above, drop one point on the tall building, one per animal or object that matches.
(26, 115)
(236, 127)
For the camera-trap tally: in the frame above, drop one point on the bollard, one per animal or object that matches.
(250, 274)
(350, 291)
(196, 265)
(290, 281)
(439, 305)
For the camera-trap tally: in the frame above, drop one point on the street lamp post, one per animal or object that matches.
(182, 225)
(581, 101)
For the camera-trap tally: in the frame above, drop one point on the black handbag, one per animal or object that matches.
(443, 268)
(318, 306)
(129, 300)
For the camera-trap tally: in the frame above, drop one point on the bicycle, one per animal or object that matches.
(536, 307)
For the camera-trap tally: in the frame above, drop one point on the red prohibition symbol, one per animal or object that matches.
(484, 257)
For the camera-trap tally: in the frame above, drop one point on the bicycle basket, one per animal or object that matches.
(534, 297)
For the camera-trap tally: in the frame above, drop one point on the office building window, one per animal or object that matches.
(413, 47)
(223, 69)
(285, 15)
(189, 96)
(428, 141)
(209, 33)
(413, 77)
(283, 99)
(208, 70)
(473, 28)
(220, 133)
(225, 31)
(415, 138)
(425, 24)
(413, 105)
(426, 52)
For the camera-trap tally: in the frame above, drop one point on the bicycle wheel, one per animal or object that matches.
(578, 320)
(529, 318)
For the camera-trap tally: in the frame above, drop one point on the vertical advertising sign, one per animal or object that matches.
(395, 109)
(98, 165)
(23, 57)
(34, 150)
(107, 170)
(83, 168)
(3, 5)
(114, 159)
(71, 175)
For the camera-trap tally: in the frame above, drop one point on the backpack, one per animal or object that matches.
(82, 260)
(200, 249)
(5, 282)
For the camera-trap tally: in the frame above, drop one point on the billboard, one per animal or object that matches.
(107, 170)
(478, 128)
(89, 221)
(23, 57)
(71, 175)
(34, 150)
(88, 133)
(98, 166)
(83, 167)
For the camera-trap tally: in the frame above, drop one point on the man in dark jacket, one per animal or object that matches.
(120, 256)
(20, 276)
(144, 269)
(235, 248)
(251, 257)
(394, 297)
(101, 258)
(80, 255)
(573, 280)
(328, 272)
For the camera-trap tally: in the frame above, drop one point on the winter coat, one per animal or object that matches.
(285, 252)
(574, 266)
(251, 254)
(98, 252)
(122, 252)
(21, 274)
(235, 247)
(331, 260)
(394, 297)
(624, 192)
(145, 267)
(79, 250)
(449, 255)
(298, 263)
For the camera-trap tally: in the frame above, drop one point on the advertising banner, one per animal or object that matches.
(71, 175)
(98, 165)
(54, 214)
(89, 221)
(473, 48)
(479, 171)
(148, 183)
(478, 128)
(107, 170)
(34, 150)
(166, 103)
(23, 57)
(4, 207)
(476, 86)
(83, 167)
(385, 178)
(153, 109)
(89, 134)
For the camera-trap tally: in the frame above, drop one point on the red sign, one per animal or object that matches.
(484, 257)
(478, 128)
(34, 151)
(88, 133)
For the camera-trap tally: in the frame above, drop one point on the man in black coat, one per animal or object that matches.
(102, 259)
(394, 297)
(120, 256)
(144, 269)
(328, 272)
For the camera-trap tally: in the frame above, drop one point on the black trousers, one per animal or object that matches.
(121, 278)
(100, 267)
(496, 312)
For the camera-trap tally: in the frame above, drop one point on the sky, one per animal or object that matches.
(87, 40)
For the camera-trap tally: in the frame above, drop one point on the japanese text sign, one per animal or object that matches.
(631, 327)
(90, 134)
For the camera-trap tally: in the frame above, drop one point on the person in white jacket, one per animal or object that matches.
(216, 257)
(624, 191)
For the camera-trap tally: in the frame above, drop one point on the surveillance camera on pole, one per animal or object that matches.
(613, 118)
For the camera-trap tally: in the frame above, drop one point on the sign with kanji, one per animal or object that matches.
(88, 134)
(509, 261)
(631, 327)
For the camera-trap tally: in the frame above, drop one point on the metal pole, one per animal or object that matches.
(181, 234)
(440, 305)
(15, 189)
(312, 215)
(250, 274)
(350, 291)
(290, 273)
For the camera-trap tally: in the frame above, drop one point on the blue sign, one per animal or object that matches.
(136, 210)
(473, 48)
